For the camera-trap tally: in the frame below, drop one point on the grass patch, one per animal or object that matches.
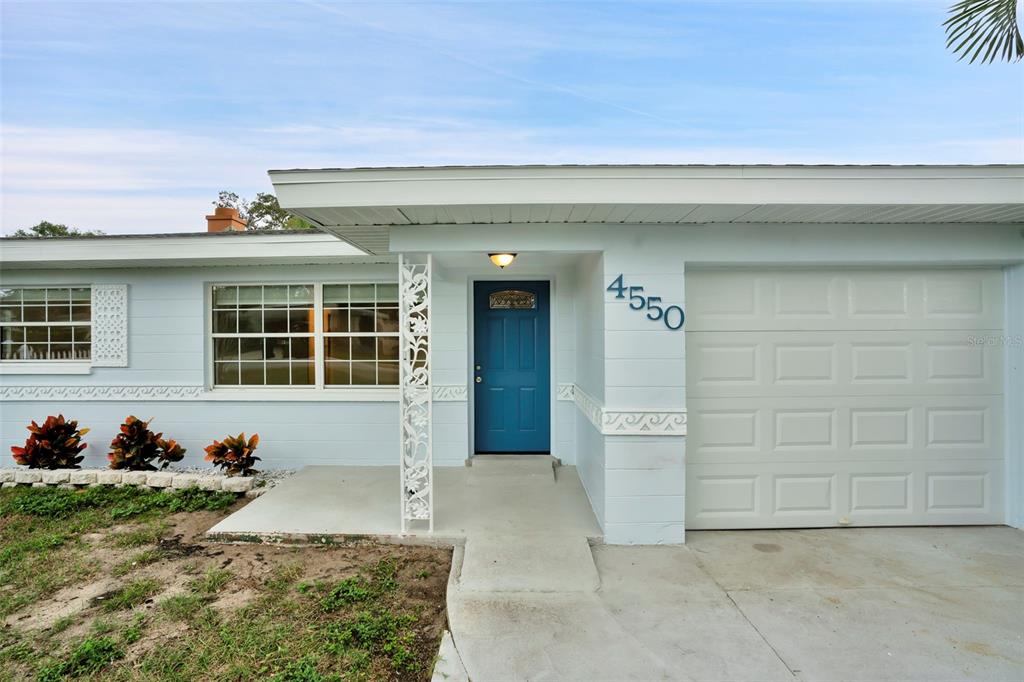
(143, 558)
(132, 594)
(91, 656)
(212, 582)
(183, 607)
(148, 534)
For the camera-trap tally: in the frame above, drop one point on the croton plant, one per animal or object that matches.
(53, 445)
(234, 454)
(136, 447)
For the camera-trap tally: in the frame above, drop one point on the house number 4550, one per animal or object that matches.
(672, 316)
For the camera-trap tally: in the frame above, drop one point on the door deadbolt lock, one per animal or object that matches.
(479, 380)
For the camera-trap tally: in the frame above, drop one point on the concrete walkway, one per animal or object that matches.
(531, 599)
(840, 604)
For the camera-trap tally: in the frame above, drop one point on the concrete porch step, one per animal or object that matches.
(512, 469)
(528, 563)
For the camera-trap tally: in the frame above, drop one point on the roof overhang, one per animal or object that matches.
(361, 204)
(175, 250)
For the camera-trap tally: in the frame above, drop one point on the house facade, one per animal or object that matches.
(710, 346)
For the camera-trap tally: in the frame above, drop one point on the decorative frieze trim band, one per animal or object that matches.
(630, 422)
(565, 392)
(451, 393)
(110, 325)
(101, 392)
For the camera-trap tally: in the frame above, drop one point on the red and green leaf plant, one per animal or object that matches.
(234, 454)
(136, 447)
(53, 445)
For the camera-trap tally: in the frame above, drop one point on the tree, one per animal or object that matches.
(985, 30)
(262, 213)
(46, 230)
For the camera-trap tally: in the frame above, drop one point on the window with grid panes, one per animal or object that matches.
(360, 334)
(268, 335)
(264, 335)
(45, 324)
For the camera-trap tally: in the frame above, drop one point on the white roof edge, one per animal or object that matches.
(177, 250)
(656, 185)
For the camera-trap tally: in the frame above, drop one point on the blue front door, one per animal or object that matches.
(512, 367)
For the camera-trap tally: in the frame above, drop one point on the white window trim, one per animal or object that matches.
(20, 366)
(319, 390)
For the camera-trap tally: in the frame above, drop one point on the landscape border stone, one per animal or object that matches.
(72, 479)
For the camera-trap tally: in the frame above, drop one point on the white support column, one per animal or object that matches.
(415, 392)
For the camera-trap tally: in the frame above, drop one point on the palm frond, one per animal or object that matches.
(984, 30)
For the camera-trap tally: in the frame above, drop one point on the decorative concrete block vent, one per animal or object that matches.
(158, 480)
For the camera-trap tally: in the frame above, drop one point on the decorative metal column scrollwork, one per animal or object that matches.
(415, 394)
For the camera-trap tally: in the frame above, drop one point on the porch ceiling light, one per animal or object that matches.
(502, 260)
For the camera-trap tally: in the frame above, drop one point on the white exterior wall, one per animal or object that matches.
(627, 363)
(167, 349)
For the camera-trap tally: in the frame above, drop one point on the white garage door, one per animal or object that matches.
(817, 397)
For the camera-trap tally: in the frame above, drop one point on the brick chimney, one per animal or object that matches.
(224, 220)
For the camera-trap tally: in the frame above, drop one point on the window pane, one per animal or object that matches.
(300, 320)
(58, 313)
(80, 313)
(36, 351)
(387, 348)
(364, 373)
(336, 320)
(362, 320)
(225, 322)
(9, 296)
(82, 333)
(225, 349)
(387, 293)
(8, 351)
(35, 313)
(302, 349)
(58, 295)
(338, 348)
(300, 295)
(250, 297)
(338, 373)
(252, 373)
(81, 295)
(250, 321)
(364, 348)
(278, 374)
(225, 297)
(36, 334)
(387, 319)
(275, 321)
(60, 334)
(226, 373)
(387, 373)
(303, 374)
(251, 349)
(34, 295)
(12, 334)
(82, 351)
(61, 351)
(362, 295)
(10, 313)
(275, 295)
(335, 294)
(277, 349)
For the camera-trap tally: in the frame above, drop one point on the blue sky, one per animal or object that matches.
(130, 117)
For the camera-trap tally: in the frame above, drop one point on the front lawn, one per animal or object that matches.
(118, 584)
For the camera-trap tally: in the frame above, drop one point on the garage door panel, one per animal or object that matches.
(817, 398)
(844, 299)
(870, 428)
(794, 495)
(829, 363)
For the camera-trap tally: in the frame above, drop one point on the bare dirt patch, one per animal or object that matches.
(183, 607)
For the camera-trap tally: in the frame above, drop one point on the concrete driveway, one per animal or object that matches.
(838, 604)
